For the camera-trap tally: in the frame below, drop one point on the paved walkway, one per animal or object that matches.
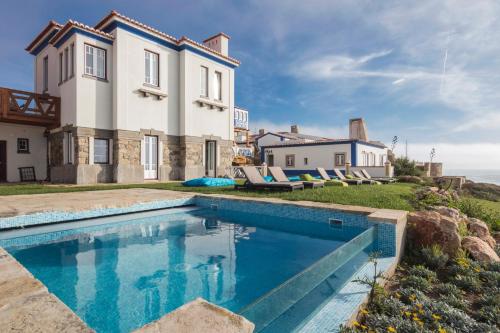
(79, 201)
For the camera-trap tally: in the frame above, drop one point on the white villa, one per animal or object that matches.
(120, 102)
(298, 153)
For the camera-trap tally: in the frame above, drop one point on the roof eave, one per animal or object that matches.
(52, 25)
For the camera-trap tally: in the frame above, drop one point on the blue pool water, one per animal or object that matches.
(119, 274)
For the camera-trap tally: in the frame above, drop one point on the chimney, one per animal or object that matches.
(262, 131)
(294, 129)
(357, 129)
(219, 43)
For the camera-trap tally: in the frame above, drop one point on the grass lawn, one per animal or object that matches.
(393, 196)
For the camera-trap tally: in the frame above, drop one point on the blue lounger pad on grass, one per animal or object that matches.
(210, 182)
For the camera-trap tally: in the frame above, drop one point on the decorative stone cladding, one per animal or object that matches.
(181, 157)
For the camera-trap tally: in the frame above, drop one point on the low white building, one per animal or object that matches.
(129, 103)
(297, 156)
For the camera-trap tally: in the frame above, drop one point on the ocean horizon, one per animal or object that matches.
(476, 175)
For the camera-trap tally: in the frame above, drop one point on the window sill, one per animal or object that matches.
(211, 104)
(94, 78)
(152, 86)
(147, 92)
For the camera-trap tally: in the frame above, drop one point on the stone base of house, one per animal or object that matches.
(179, 157)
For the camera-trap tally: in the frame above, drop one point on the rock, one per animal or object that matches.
(479, 249)
(429, 227)
(480, 229)
(199, 316)
(496, 236)
(447, 211)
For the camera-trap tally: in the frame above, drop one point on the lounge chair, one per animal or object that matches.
(385, 180)
(358, 175)
(343, 178)
(332, 182)
(280, 177)
(255, 181)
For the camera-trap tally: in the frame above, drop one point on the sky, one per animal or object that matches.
(425, 71)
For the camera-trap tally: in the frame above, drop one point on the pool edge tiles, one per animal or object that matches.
(69, 216)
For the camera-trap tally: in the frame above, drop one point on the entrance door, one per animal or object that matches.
(150, 157)
(270, 160)
(3, 161)
(210, 158)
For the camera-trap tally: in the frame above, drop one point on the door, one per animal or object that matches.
(3, 161)
(150, 157)
(210, 158)
(270, 160)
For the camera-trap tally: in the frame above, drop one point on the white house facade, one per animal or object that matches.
(135, 103)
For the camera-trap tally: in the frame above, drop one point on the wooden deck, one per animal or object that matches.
(28, 108)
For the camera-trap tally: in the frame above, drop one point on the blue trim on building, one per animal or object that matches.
(44, 43)
(74, 30)
(113, 25)
(354, 153)
(321, 143)
(262, 155)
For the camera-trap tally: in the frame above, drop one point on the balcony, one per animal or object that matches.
(28, 108)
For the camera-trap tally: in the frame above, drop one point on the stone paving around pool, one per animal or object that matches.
(26, 305)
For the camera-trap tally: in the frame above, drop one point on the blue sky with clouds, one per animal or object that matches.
(426, 71)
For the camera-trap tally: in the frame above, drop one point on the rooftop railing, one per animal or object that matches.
(28, 108)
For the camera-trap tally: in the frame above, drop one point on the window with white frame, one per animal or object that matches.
(151, 68)
(306, 161)
(95, 61)
(101, 151)
(290, 161)
(45, 74)
(66, 63)
(72, 60)
(204, 81)
(60, 68)
(218, 86)
(340, 159)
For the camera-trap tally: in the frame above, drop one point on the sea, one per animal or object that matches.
(478, 176)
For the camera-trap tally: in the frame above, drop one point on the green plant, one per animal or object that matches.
(434, 257)
(404, 167)
(473, 208)
(447, 289)
(489, 314)
(417, 282)
(372, 281)
(469, 283)
(410, 179)
(423, 272)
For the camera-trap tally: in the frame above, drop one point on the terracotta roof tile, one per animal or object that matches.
(72, 23)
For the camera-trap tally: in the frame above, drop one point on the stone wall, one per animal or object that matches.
(172, 153)
(191, 155)
(56, 149)
(226, 155)
(127, 157)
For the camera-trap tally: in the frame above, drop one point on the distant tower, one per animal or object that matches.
(357, 129)
(219, 43)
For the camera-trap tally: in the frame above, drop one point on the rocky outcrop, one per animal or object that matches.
(448, 211)
(426, 228)
(479, 249)
(480, 229)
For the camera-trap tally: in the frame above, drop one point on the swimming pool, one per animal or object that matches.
(120, 273)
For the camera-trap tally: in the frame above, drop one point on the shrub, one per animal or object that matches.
(489, 314)
(472, 208)
(404, 167)
(416, 282)
(434, 257)
(469, 283)
(410, 179)
(388, 306)
(423, 272)
(456, 302)
(490, 279)
(383, 323)
(447, 289)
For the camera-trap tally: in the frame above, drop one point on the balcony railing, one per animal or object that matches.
(28, 108)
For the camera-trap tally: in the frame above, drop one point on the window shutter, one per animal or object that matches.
(143, 153)
(91, 150)
(110, 148)
(160, 152)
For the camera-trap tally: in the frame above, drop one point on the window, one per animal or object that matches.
(218, 86)
(45, 74)
(101, 151)
(68, 151)
(95, 61)
(382, 160)
(72, 60)
(290, 160)
(66, 64)
(306, 161)
(23, 146)
(60, 68)
(204, 81)
(340, 159)
(152, 68)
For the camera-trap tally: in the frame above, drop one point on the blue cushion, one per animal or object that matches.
(212, 182)
(294, 178)
(268, 178)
